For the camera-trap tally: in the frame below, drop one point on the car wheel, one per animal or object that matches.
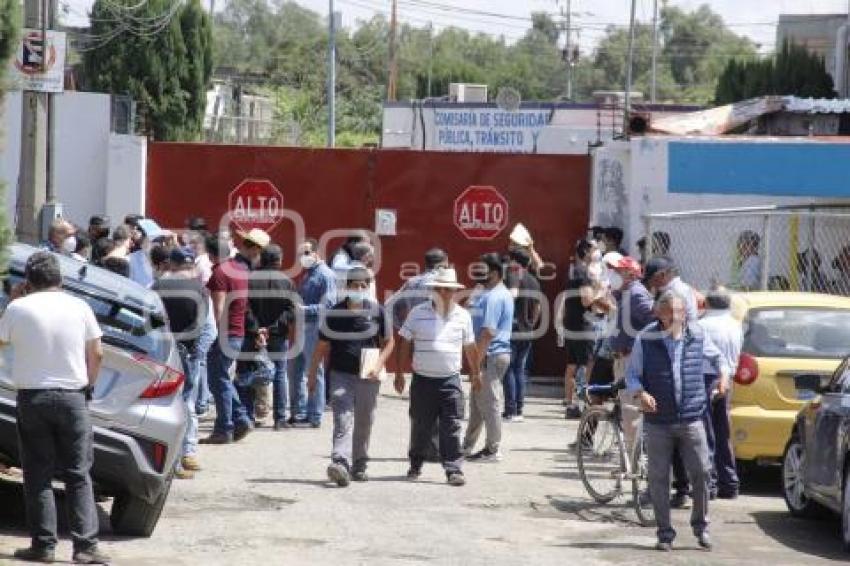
(133, 516)
(845, 511)
(792, 480)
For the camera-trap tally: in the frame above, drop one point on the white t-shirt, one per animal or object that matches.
(48, 331)
(438, 342)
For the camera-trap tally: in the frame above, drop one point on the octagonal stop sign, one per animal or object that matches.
(481, 212)
(255, 203)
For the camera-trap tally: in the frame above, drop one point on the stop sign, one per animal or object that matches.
(481, 212)
(255, 203)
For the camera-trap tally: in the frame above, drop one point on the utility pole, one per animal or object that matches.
(430, 56)
(568, 50)
(34, 173)
(331, 74)
(627, 102)
(653, 88)
(392, 83)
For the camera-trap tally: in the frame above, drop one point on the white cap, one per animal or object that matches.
(521, 236)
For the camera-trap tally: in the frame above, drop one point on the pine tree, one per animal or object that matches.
(165, 67)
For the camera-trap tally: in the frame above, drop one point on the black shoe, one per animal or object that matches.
(712, 495)
(282, 425)
(663, 546)
(33, 554)
(217, 438)
(573, 412)
(727, 494)
(679, 500)
(456, 479)
(413, 473)
(704, 542)
(486, 456)
(242, 431)
(316, 425)
(90, 556)
(360, 476)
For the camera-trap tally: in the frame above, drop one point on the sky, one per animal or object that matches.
(753, 18)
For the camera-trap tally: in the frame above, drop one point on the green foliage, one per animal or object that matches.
(286, 46)
(167, 70)
(794, 71)
(9, 28)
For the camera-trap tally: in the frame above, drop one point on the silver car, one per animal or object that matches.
(137, 410)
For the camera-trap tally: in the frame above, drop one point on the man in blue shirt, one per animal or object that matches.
(492, 309)
(318, 290)
(666, 372)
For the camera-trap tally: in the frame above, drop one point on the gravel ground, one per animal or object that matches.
(266, 501)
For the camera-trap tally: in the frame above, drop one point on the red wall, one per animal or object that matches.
(333, 189)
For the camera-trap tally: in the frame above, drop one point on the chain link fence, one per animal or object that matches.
(782, 248)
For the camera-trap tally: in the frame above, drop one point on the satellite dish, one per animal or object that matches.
(508, 99)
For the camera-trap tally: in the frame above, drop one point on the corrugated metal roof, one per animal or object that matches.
(816, 105)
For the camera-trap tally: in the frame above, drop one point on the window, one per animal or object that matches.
(798, 333)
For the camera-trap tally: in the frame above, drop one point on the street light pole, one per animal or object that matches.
(653, 90)
(630, 61)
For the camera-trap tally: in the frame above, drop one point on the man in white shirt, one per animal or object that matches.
(439, 333)
(57, 357)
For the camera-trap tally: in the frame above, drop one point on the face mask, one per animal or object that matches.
(596, 256)
(69, 244)
(616, 280)
(357, 297)
(308, 261)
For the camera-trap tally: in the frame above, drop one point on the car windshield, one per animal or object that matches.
(798, 333)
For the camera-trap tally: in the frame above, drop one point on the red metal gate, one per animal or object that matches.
(339, 189)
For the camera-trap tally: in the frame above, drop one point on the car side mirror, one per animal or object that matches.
(809, 383)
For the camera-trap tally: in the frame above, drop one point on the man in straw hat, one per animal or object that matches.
(439, 332)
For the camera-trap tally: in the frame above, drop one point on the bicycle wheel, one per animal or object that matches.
(640, 487)
(601, 454)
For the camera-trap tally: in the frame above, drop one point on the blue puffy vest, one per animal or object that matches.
(657, 378)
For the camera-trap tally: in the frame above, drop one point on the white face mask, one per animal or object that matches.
(596, 256)
(615, 280)
(308, 261)
(69, 244)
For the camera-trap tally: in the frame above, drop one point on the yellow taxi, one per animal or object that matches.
(785, 334)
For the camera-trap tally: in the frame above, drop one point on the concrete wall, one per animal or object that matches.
(93, 167)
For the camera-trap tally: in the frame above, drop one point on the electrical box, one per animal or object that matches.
(464, 92)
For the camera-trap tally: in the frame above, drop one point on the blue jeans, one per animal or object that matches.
(205, 341)
(229, 409)
(191, 366)
(280, 391)
(304, 405)
(515, 379)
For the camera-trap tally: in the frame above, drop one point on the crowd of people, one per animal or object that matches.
(256, 344)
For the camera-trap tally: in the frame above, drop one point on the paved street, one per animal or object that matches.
(265, 501)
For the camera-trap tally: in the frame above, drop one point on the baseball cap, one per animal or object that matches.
(629, 264)
(612, 258)
(256, 236)
(181, 256)
(656, 265)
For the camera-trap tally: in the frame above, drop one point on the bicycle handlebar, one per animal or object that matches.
(607, 388)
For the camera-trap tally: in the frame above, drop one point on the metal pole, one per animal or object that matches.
(630, 60)
(765, 268)
(50, 158)
(430, 56)
(331, 75)
(569, 51)
(393, 75)
(653, 89)
(32, 177)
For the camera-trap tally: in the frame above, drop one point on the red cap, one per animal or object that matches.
(631, 265)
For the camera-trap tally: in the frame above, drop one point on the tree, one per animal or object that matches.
(793, 71)
(161, 56)
(9, 18)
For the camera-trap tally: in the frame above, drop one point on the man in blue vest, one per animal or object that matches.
(666, 374)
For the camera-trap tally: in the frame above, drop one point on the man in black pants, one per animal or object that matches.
(57, 358)
(438, 332)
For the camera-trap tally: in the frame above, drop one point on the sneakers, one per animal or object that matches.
(486, 456)
(190, 463)
(184, 474)
(704, 541)
(90, 556)
(573, 412)
(517, 419)
(242, 431)
(679, 500)
(338, 474)
(217, 438)
(456, 479)
(663, 546)
(32, 554)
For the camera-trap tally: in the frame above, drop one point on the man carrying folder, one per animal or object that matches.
(358, 340)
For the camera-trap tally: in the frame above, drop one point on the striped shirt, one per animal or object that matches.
(437, 341)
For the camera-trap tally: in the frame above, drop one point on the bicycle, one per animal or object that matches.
(603, 460)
